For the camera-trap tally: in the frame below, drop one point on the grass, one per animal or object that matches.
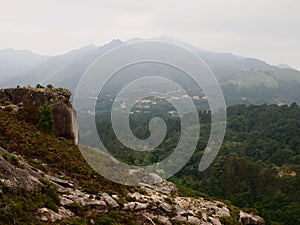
(60, 155)
(55, 156)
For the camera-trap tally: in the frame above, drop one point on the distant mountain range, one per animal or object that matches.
(15, 63)
(243, 80)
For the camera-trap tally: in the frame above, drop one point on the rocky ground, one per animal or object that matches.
(151, 204)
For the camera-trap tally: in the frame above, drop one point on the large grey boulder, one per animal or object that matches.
(246, 218)
(109, 200)
(18, 175)
(48, 215)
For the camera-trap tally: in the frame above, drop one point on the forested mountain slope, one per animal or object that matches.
(257, 167)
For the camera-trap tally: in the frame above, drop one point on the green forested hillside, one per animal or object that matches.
(258, 166)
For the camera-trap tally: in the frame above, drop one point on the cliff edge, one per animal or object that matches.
(65, 119)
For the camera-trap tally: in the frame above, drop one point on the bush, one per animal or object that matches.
(39, 86)
(29, 113)
(46, 118)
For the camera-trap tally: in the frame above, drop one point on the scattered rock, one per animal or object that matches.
(214, 221)
(110, 201)
(115, 197)
(164, 220)
(164, 187)
(135, 206)
(61, 182)
(65, 213)
(139, 206)
(65, 201)
(193, 220)
(165, 206)
(180, 218)
(223, 212)
(91, 202)
(129, 206)
(249, 219)
(48, 215)
(153, 178)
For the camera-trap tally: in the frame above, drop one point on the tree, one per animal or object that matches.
(46, 118)
(39, 86)
(50, 86)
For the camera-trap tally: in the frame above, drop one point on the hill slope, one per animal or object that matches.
(45, 180)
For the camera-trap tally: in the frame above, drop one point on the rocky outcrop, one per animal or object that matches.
(65, 118)
(173, 208)
(48, 215)
(246, 218)
(154, 204)
(18, 175)
(151, 204)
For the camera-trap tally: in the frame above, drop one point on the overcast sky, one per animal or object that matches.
(264, 29)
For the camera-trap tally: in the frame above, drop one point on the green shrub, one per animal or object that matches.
(39, 86)
(46, 118)
(228, 220)
(28, 113)
(76, 208)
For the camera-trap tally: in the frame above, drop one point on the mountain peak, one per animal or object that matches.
(113, 44)
(116, 41)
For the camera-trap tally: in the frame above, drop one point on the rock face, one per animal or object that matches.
(65, 118)
(18, 175)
